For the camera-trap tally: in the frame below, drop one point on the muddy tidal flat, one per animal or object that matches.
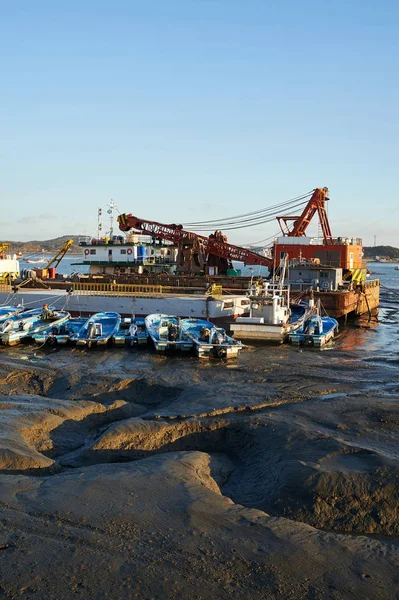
(124, 474)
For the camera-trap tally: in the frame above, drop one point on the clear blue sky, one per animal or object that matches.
(185, 110)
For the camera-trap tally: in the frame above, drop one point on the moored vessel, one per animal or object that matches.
(166, 333)
(272, 316)
(210, 340)
(25, 325)
(61, 333)
(98, 330)
(316, 331)
(131, 332)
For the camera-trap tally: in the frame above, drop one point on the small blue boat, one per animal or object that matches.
(210, 340)
(316, 331)
(22, 321)
(26, 324)
(166, 333)
(60, 334)
(132, 332)
(9, 311)
(98, 330)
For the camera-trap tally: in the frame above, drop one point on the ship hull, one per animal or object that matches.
(221, 309)
(363, 300)
(340, 304)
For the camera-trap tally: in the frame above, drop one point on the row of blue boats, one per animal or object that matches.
(166, 332)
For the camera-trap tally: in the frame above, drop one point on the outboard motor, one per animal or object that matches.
(133, 329)
(172, 333)
(91, 330)
(218, 338)
(311, 327)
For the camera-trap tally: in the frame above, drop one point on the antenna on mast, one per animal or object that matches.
(110, 211)
(99, 223)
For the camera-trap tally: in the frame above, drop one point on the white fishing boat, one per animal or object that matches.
(210, 340)
(39, 261)
(166, 333)
(271, 316)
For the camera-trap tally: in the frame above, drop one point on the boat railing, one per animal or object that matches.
(370, 283)
(84, 240)
(118, 290)
(267, 288)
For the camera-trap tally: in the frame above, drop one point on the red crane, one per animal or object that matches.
(208, 250)
(215, 244)
(316, 203)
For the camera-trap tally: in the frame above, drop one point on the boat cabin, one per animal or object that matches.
(302, 276)
(117, 256)
(345, 253)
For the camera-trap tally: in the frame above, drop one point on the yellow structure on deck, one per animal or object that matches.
(55, 261)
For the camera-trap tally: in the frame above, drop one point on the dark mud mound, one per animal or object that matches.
(77, 384)
(309, 477)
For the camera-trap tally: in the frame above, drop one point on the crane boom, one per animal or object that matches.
(176, 234)
(60, 254)
(316, 203)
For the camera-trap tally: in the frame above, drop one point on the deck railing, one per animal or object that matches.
(118, 290)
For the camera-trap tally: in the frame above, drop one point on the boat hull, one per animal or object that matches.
(159, 329)
(134, 335)
(98, 330)
(70, 328)
(318, 340)
(36, 327)
(209, 340)
(209, 351)
(259, 332)
(362, 300)
(217, 309)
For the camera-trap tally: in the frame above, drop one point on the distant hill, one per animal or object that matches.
(45, 245)
(381, 251)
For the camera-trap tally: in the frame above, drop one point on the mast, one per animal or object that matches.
(111, 207)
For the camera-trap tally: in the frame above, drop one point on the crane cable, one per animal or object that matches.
(242, 224)
(268, 239)
(254, 214)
